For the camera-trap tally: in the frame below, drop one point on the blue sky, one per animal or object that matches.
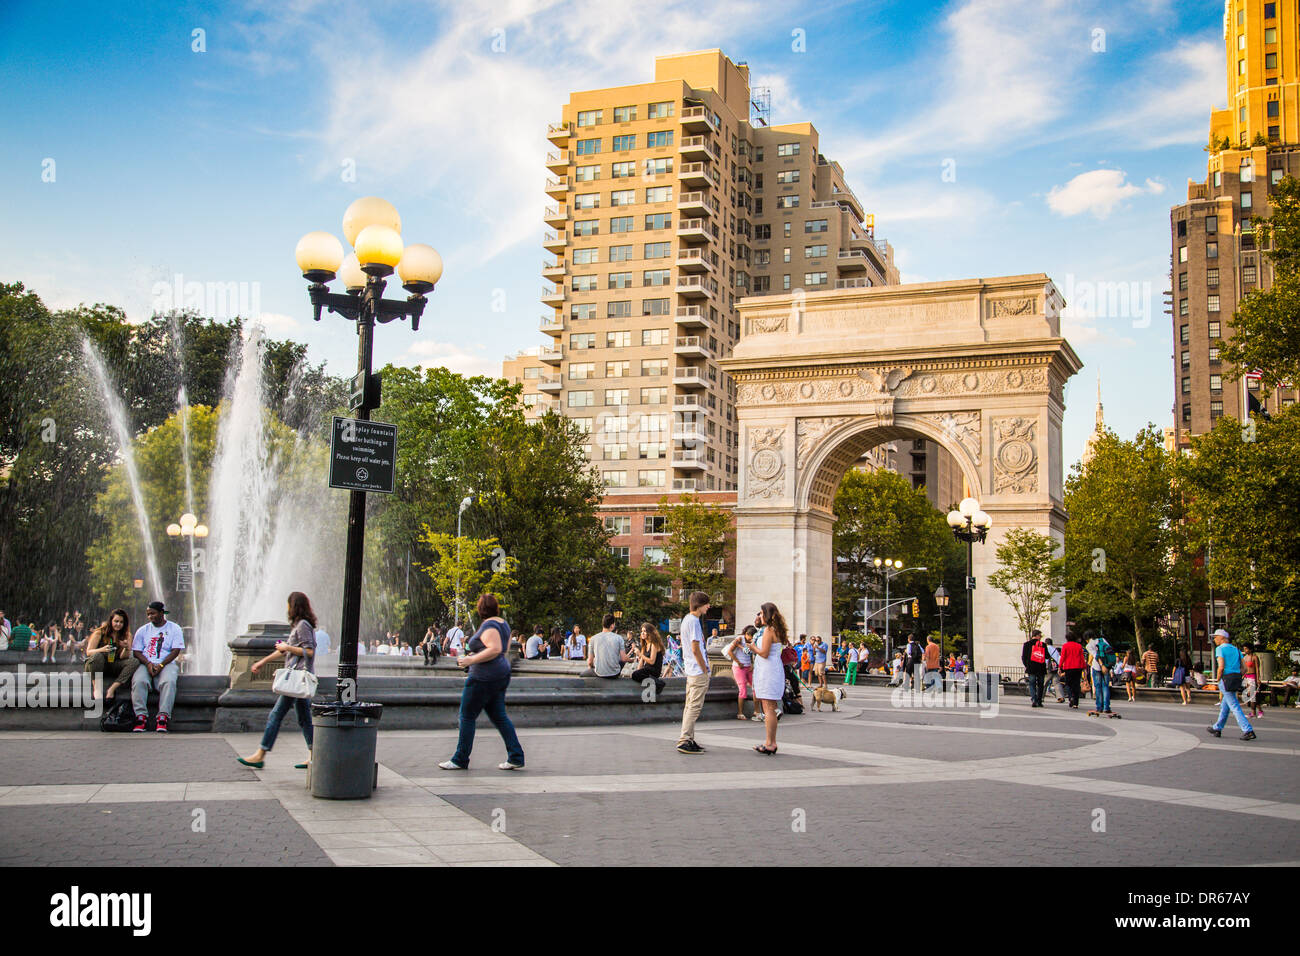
(988, 137)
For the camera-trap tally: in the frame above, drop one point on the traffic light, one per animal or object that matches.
(916, 608)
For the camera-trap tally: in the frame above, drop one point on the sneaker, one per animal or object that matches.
(508, 766)
(160, 725)
(141, 723)
(1213, 732)
(451, 765)
(1248, 735)
(689, 747)
(759, 717)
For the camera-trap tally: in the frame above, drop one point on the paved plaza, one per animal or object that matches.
(871, 784)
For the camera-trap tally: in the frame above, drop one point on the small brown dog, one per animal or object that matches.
(828, 696)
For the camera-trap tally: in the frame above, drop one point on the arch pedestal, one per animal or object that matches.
(977, 366)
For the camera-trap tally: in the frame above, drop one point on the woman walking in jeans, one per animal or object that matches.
(485, 688)
(298, 652)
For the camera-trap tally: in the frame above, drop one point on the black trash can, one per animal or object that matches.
(344, 741)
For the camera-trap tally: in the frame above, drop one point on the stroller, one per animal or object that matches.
(792, 698)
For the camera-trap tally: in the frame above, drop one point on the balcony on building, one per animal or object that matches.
(693, 230)
(551, 354)
(852, 260)
(558, 162)
(862, 283)
(684, 484)
(558, 187)
(696, 175)
(556, 215)
(691, 346)
(689, 431)
(694, 204)
(695, 287)
(694, 260)
(555, 241)
(698, 119)
(546, 404)
(688, 403)
(554, 297)
(692, 317)
(552, 324)
(690, 377)
(687, 459)
(553, 269)
(559, 133)
(550, 384)
(698, 148)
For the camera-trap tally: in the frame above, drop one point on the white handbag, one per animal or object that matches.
(294, 682)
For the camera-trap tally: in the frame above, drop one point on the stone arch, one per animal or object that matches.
(835, 452)
(976, 366)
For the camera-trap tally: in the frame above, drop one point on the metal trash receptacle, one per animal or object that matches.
(344, 742)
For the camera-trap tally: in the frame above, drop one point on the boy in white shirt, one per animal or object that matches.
(695, 661)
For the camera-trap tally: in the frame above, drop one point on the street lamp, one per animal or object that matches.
(189, 529)
(970, 523)
(373, 228)
(941, 602)
(464, 503)
(884, 565)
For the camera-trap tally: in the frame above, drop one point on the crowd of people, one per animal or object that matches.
(67, 636)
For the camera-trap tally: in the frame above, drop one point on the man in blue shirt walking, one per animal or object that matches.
(1229, 677)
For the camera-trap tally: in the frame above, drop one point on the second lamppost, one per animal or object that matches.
(970, 524)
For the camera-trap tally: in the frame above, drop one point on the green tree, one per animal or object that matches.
(880, 514)
(1243, 496)
(468, 567)
(700, 539)
(1126, 553)
(1029, 575)
(1266, 325)
(643, 595)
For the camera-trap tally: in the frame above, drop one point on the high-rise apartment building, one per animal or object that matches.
(1215, 261)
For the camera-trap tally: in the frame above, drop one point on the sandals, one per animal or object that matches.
(765, 750)
(741, 717)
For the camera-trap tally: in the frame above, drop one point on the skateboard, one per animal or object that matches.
(1098, 713)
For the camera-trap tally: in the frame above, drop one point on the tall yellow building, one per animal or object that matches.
(1215, 260)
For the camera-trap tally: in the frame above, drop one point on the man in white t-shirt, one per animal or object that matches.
(533, 647)
(5, 630)
(695, 664)
(577, 644)
(156, 646)
(455, 640)
(322, 642)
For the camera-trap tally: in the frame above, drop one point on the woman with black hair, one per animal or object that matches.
(299, 652)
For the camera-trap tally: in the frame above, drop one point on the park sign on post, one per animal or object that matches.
(363, 455)
(184, 576)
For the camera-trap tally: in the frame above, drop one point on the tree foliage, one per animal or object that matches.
(1029, 575)
(700, 539)
(468, 567)
(1266, 325)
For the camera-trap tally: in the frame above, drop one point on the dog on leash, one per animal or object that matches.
(824, 695)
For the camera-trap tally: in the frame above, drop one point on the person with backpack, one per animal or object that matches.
(1033, 654)
(1102, 661)
(913, 655)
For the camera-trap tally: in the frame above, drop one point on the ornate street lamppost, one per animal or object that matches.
(373, 228)
(189, 529)
(941, 602)
(970, 524)
(464, 504)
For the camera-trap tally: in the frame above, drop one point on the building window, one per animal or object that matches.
(1212, 277)
(652, 450)
(816, 225)
(1211, 223)
(658, 167)
(620, 280)
(654, 306)
(649, 553)
(1211, 250)
(785, 229)
(622, 170)
(620, 554)
(1247, 200)
(762, 232)
(581, 399)
(651, 479)
(1184, 334)
(787, 202)
(1216, 383)
(1212, 303)
(622, 197)
(655, 276)
(624, 114)
(621, 524)
(1216, 410)
(658, 395)
(618, 310)
(620, 224)
(588, 147)
(584, 283)
(587, 227)
(1270, 61)
(1186, 359)
(654, 336)
(1182, 282)
(785, 283)
(1214, 355)
(654, 524)
(787, 176)
(1187, 411)
(1182, 306)
(620, 253)
(787, 149)
(583, 257)
(1187, 386)
(1182, 253)
(582, 340)
(661, 138)
(624, 143)
(616, 452)
(1214, 330)
(762, 257)
(659, 110)
(618, 369)
(814, 252)
(618, 340)
(586, 174)
(615, 396)
(659, 194)
(811, 279)
(589, 117)
(659, 220)
(1248, 275)
(1272, 107)
(658, 250)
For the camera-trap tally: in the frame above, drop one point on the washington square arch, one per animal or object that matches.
(978, 366)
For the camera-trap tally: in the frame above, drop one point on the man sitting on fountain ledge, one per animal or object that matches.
(156, 646)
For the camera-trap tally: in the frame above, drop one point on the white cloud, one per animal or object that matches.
(276, 323)
(455, 358)
(1099, 192)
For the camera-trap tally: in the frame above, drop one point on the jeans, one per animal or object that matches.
(301, 708)
(933, 680)
(490, 696)
(165, 683)
(1101, 689)
(1231, 704)
(1035, 682)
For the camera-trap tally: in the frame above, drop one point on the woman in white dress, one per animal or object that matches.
(769, 676)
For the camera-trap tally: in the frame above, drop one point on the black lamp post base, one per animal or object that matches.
(345, 738)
